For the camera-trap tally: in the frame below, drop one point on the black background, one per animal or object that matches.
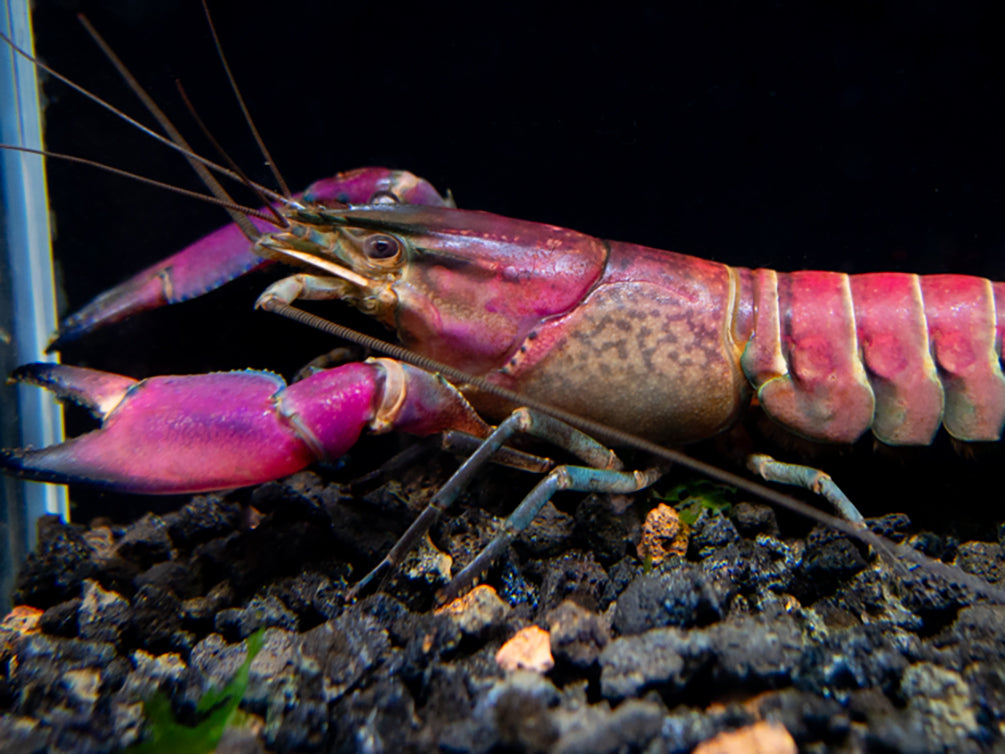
(850, 136)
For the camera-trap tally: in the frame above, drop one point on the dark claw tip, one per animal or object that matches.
(17, 461)
(31, 374)
(10, 459)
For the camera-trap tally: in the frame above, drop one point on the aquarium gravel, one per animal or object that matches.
(224, 623)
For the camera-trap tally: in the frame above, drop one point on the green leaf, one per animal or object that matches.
(692, 497)
(218, 708)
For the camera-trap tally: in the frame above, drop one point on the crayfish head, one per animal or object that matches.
(361, 265)
(464, 287)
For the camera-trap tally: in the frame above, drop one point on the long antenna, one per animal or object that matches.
(226, 204)
(274, 196)
(249, 230)
(280, 221)
(244, 108)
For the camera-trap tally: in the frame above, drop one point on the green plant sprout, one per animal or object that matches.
(217, 709)
(692, 497)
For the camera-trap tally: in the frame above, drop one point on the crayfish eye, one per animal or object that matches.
(381, 247)
(384, 197)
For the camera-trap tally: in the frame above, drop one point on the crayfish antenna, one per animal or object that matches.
(283, 187)
(173, 133)
(279, 220)
(274, 196)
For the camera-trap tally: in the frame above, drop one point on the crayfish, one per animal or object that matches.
(668, 347)
(534, 309)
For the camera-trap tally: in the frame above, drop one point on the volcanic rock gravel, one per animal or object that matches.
(750, 627)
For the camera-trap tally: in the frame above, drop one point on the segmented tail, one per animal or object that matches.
(832, 355)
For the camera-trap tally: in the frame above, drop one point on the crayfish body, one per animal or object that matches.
(668, 346)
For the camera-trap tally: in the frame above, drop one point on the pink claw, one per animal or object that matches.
(226, 254)
(194, 433)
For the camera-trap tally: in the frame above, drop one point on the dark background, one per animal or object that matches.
(850, 136)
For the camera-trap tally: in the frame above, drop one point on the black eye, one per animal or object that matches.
(384, 197)
(380, 247)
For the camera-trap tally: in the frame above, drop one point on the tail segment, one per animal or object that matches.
(832, 355)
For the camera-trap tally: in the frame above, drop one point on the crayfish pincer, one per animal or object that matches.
(193, 433)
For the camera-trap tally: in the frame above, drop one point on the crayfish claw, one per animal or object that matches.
(195, 433)
(98, 392)
(167, 435)
(149, 289)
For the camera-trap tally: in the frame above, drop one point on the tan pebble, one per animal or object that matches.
(529, 649)
(23, 619)
(102, 541)
(465, 602)
(83, 685)
(663, 535)
(20, 621)
(427, 562)
(476, 611)
(760, 738)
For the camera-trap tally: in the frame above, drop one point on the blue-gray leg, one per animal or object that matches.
(605, 476)
(576, 478)
(808, 478)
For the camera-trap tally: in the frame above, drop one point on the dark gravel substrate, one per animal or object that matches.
(750, 626)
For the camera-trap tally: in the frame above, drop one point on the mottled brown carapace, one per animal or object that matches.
(649, 349)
